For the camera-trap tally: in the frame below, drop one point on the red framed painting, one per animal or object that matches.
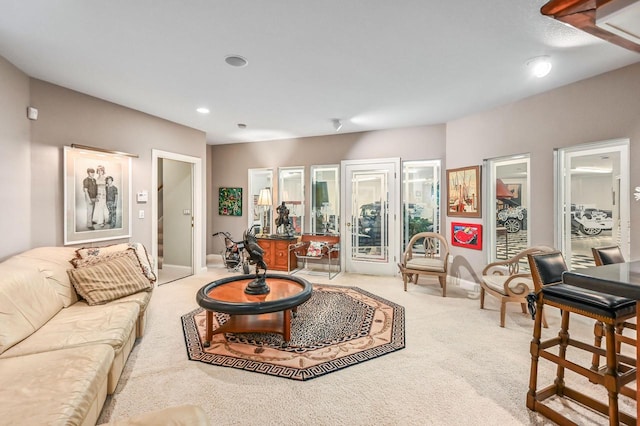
(467, 235)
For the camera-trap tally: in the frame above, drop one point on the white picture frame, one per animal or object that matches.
(110, 210)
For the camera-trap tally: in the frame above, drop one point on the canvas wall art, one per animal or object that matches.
(463, 192)
(468, 235)
(230, 201)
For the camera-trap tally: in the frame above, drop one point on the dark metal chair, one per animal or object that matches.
(612, 311)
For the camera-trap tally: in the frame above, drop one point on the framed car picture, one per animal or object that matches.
(467, 235)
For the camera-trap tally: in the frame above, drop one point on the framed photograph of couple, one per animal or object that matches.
(463, 192)
(97, 188)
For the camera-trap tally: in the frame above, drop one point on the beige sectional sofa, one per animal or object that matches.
(59, 355)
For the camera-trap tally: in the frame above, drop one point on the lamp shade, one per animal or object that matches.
(322, 193)
(264, 199)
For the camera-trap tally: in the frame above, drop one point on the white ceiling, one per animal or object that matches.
(374, 64)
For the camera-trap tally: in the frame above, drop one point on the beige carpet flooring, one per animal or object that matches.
(458, 368)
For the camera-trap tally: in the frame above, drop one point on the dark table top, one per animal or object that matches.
(620, 279)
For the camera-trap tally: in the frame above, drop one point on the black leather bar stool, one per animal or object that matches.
(612, 311)
(607, 256)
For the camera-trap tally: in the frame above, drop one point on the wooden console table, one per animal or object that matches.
(276, 253)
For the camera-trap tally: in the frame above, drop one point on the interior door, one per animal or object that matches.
(176, 221)
(371, 200)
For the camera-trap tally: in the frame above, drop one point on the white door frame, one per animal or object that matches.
(395, 232)
(197, 209)
(560, 181)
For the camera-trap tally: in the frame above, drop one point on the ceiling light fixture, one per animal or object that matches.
(540, 66)
(203, 110)
(236, 60)
(337, 124)
(242, 126)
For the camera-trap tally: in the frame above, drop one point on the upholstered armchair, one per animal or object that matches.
(506, 282)
(426, 254)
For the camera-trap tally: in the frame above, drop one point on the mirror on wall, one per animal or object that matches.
(325, 199)
(291, 192)
(260, 200)
(508, 205)
(420, 198)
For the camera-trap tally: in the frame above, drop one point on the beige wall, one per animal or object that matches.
(31, 160)
(597, 109)
(15, 164)
(229, 164)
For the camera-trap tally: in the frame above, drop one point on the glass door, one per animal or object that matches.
(371, 234)
(593, 199)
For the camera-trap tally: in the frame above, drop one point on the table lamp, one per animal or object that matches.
(264, 201)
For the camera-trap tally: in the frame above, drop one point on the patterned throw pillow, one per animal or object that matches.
(315, 249)
(80, 262)
(141, 252)
(109, 280)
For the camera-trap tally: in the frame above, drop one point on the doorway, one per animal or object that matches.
(508, 183)
(372, 210)
(593, 200)
(176, 244)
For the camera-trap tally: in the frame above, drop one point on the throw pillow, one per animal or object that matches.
(315, 249)
(141, 252)
(109, 280)
(80, 262)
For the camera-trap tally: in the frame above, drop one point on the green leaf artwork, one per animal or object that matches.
(230, 201)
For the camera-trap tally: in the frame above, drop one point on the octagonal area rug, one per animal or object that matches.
(336, 328)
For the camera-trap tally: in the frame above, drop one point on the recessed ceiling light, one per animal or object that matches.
(236, 60)
(540, 66)
(203, 110)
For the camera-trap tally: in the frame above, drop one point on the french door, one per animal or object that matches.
(371, 200)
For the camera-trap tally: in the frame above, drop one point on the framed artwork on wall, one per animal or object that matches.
(467, 235)
(463, 192)
(230, 201)
(97, 188)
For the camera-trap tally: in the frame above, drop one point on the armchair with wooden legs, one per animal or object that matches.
(504, 281)
(427, 253)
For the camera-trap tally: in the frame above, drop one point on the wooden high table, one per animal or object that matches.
(620, 279)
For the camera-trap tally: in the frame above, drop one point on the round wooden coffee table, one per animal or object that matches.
(265, 313)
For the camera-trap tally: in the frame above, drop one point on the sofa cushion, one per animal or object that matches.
(27, 302)
(55, 388)
(53, 262)
(146, 262)
(81, 325)
(182, 415)
(111, 279)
